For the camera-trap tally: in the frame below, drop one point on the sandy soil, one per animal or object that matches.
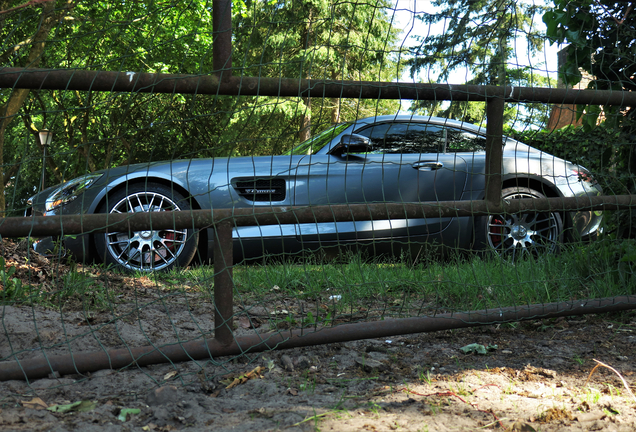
(535, 379)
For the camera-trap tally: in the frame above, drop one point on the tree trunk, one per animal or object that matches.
(305, 118)
(335, 110)
(10, 109)
(305, 122)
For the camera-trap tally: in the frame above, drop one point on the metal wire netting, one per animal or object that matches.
(153, 293)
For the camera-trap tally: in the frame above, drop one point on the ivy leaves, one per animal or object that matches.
(600, 44)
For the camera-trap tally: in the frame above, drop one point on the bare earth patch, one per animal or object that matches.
(535, 379)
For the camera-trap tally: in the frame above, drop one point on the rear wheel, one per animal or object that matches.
(148, 250)
(515, 235)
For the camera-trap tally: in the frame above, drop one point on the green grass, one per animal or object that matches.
(312, 292)
(318, 291)
(463, 282)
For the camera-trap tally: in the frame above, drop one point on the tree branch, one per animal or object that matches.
(27, 4)
(617, 21)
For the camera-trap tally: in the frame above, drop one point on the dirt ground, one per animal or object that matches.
(533, 378)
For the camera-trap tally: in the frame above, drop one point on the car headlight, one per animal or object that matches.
(70, 190)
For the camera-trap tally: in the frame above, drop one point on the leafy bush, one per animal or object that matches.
(608, 152)
(603, 150)
(12, 287)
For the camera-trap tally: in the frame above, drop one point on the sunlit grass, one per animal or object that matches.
(396, 287)
(461, 282)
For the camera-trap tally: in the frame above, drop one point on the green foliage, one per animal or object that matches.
(606, 151)
(607, 262)
(478, 36)
(12, 288)
(598, 150)
(77, 286)
(600, 34)
(96, 130)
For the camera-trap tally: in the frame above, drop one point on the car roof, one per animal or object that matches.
(424, 119)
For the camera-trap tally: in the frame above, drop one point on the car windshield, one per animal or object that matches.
(313, 144)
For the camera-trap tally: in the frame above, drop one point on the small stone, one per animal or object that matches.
(288, 365)
(163, 395)
(369, 364)
(46, 383)
(303, 362)
(258, 311)
(427, 410)
(11, 417)
(590, 417)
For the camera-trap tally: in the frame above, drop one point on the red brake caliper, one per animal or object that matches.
(168, 244)
(496, 233)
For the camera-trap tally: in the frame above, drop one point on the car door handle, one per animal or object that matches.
(427, 166)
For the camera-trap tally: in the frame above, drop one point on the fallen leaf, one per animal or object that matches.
(244, 322)
(228, 410)
(262, 412)
(35, 403)
(170, 375)
(540, 371)
(79, 406)
(126, 412)
(520, 426)
(474, 348)
(231, 381)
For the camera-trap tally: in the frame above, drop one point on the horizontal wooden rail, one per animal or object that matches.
(83, 362)
(76, 79)
(13, 227)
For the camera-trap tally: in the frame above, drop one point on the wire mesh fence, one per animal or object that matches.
(197, 182)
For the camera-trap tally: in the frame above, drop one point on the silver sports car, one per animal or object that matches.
(379, 159)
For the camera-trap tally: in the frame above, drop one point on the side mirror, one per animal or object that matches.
(352, 144)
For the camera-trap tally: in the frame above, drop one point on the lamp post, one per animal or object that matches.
(46, 137)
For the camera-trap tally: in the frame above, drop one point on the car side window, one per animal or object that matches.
(458, 140)
(404, 137)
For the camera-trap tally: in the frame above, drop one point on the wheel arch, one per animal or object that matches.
(534, 183)
(540, 185)
(144, 180)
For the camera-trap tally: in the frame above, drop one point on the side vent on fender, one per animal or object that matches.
(260, 190)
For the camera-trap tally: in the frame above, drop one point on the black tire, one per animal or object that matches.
(157, 250)
(516, 235)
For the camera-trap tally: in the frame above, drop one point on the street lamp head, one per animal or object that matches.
(46, 137)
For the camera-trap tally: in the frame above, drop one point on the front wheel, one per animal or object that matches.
(520, 234)
(148, 250)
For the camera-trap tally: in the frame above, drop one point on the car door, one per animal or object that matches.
(406, 162)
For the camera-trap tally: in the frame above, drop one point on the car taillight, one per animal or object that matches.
(584, 175)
